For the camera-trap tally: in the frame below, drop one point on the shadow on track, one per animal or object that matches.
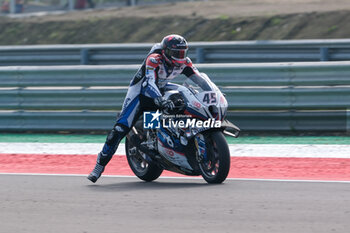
(155, 185)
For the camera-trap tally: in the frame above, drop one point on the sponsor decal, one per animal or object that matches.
(149, 70)
(139, 74)
(167, 139)
(153, 60)
(169, 152)
(126, 103)
(196, 104)
(118, 128)
(222, 100)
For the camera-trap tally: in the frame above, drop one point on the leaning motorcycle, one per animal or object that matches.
(189, 140)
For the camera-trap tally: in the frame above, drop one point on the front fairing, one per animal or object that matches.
(203, 95)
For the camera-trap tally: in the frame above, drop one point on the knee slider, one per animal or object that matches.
(116, 135)
(112, 141)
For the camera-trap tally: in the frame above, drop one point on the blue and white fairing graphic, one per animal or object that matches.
(203, 97)
(171, 148)
(203, 101)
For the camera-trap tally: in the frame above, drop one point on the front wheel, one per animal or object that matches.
(216, 165)
(147, 171)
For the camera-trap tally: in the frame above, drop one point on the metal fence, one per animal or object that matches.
(293, 97)
(200, 52)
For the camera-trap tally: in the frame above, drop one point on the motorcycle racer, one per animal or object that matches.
(165, 61)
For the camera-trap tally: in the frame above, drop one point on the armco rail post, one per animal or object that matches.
(71, 5)
(324, 54)
(131, 2)
(199, 55)
(13, 6)
(348, 120)
(84, 56)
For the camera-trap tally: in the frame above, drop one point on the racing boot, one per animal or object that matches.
(109, 148)
(102, 161)
(96, 173)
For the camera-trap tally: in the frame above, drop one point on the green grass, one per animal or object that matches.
(275, 21)
(333, 28)
(224, 17)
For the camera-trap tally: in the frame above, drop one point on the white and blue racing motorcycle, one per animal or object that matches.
(189, 140)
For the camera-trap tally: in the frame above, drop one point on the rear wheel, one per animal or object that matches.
(216, 165)
(143, 169)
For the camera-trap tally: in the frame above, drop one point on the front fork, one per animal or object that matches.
(199, 142)
(135, 138)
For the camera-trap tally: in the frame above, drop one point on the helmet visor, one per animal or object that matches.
(178, 54)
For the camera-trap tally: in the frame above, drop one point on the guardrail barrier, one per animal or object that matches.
(293, 97)
(200, 52)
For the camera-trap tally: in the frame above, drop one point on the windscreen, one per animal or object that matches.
(198, 83)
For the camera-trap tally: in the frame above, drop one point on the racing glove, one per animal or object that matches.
(164, 104)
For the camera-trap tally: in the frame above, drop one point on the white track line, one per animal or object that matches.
(178, 178)
(239, 150)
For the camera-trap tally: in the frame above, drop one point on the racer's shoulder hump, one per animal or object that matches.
(154, 60)
(188, 62)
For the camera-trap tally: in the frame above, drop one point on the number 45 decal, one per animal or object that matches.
(209, 98)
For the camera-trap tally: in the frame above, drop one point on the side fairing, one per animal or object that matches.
(171, 149)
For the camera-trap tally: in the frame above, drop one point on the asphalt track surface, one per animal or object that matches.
(44, 204)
